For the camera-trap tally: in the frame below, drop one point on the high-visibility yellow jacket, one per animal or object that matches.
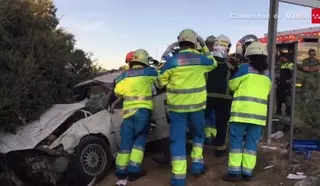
(135, 87)
(250, 99)
(184, 77)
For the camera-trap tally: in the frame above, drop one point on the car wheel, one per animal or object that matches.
(93, 159)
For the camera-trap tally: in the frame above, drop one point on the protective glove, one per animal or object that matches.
(152, 128)
(201, 41)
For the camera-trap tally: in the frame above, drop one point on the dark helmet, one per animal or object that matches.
(244, 42)
(210, 39)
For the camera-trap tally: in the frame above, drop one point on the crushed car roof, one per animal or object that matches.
(29, 135)
(107, 80)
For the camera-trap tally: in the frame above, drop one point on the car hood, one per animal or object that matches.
(29, 135)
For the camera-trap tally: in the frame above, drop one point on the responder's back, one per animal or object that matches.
(251, 90)
(135, 86)
(183, 75)
(220, 76)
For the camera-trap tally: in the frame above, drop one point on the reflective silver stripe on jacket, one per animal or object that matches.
(216, 95)
(137, 98)
(187, 107)
(186, 91)
(250, 116)
(251, 99)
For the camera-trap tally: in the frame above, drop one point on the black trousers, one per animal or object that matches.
(222, 109)
(283, 97)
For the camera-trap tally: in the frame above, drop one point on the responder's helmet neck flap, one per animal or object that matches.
(244, 42)
(256, 48)
(141, 56)
(188, 35)
(221, 47)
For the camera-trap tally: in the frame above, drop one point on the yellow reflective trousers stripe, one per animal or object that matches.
(136, 156)
(179, 167)
(197, 152)
(122, 160)
(235, 160)
(249, 161)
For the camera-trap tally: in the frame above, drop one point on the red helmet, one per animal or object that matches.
(129, 56)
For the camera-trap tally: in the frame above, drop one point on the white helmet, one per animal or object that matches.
(188, 35)
(221, 47)
(222, 42)
(256, 48)
(141, 56)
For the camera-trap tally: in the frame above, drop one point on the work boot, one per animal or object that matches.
(198, 174)
(133, 176)
(231, 178)
(220, 153)
(246, 178)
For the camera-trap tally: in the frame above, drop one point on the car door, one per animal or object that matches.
(117, 121)
(159, 115)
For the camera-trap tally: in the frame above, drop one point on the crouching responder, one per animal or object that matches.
(219, 97)
(242, 45)
(135, 87)
(284, 85)
(251, 86)
(183, 77)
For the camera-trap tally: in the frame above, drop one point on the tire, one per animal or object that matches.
(90, 146)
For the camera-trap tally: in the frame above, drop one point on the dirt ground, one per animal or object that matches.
(159, 175)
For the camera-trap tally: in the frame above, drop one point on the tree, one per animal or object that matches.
(33, 57)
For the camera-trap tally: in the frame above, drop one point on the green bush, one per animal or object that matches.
(34, 54)
(308, 105)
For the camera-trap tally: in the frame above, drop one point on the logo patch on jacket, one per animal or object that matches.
(188, 60)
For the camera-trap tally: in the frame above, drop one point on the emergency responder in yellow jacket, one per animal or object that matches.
(284, 85)
(135, 87)
(251, 86)
(219, 97)
(183, 77)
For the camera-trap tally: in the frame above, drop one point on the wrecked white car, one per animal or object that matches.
(70, 143)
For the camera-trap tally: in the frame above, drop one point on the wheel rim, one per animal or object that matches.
(93, 159)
